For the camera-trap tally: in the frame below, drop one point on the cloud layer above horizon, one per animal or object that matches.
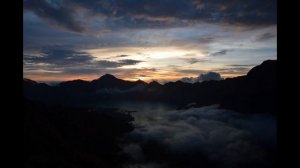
(146, 39)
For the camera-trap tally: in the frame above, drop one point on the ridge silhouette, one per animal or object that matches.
(251, 93)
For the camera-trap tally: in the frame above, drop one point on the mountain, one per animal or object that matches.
(265, 73)
(154, 84)
(255, 92)
(110, 81)
(74, 83)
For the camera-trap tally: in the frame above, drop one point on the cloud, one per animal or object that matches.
(209, 76)
(129, 62)
(59, 57)
(219, 53)
(108, 64)
(118, 28)
(203, 77)
(206, 136)
(188, 80)
(251, 12)
(204, 40)
(194, 60)
(59, 64)
(266, 36)
(152, 14)
(122, 56)
(120, 63)
(55, 12)
(37, 34)
(62, 57)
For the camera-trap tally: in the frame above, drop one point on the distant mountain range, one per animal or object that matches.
(255, 92)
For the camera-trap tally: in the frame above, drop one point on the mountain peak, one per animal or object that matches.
(107, 77)
(154, 83)
(107, 80)
(265, 70)
(140, 82)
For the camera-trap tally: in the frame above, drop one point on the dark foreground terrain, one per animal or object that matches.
(72, 137)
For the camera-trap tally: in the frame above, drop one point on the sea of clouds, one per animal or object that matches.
(202, 137)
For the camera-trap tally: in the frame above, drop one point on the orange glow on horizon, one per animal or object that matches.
(160, 77)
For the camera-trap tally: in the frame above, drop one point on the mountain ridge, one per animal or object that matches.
(254, 92)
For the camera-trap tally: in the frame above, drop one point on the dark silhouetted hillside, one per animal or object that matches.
(255, 92)
(56, 136)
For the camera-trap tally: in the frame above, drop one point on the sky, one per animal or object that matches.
(163, 40)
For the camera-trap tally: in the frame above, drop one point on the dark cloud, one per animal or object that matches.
(141, 22)
(222, 52)
(60, 57)
(266, 36)
(114, 64)
(38, 34)
(122, 56)
(232, 11)
(56, 12)
(204, 40)
(108, 64)
(154, 13)
(66, 57)
(129, 62)
(194, 60)
(250, 12)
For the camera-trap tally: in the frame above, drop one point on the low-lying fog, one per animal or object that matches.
(198, 137)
